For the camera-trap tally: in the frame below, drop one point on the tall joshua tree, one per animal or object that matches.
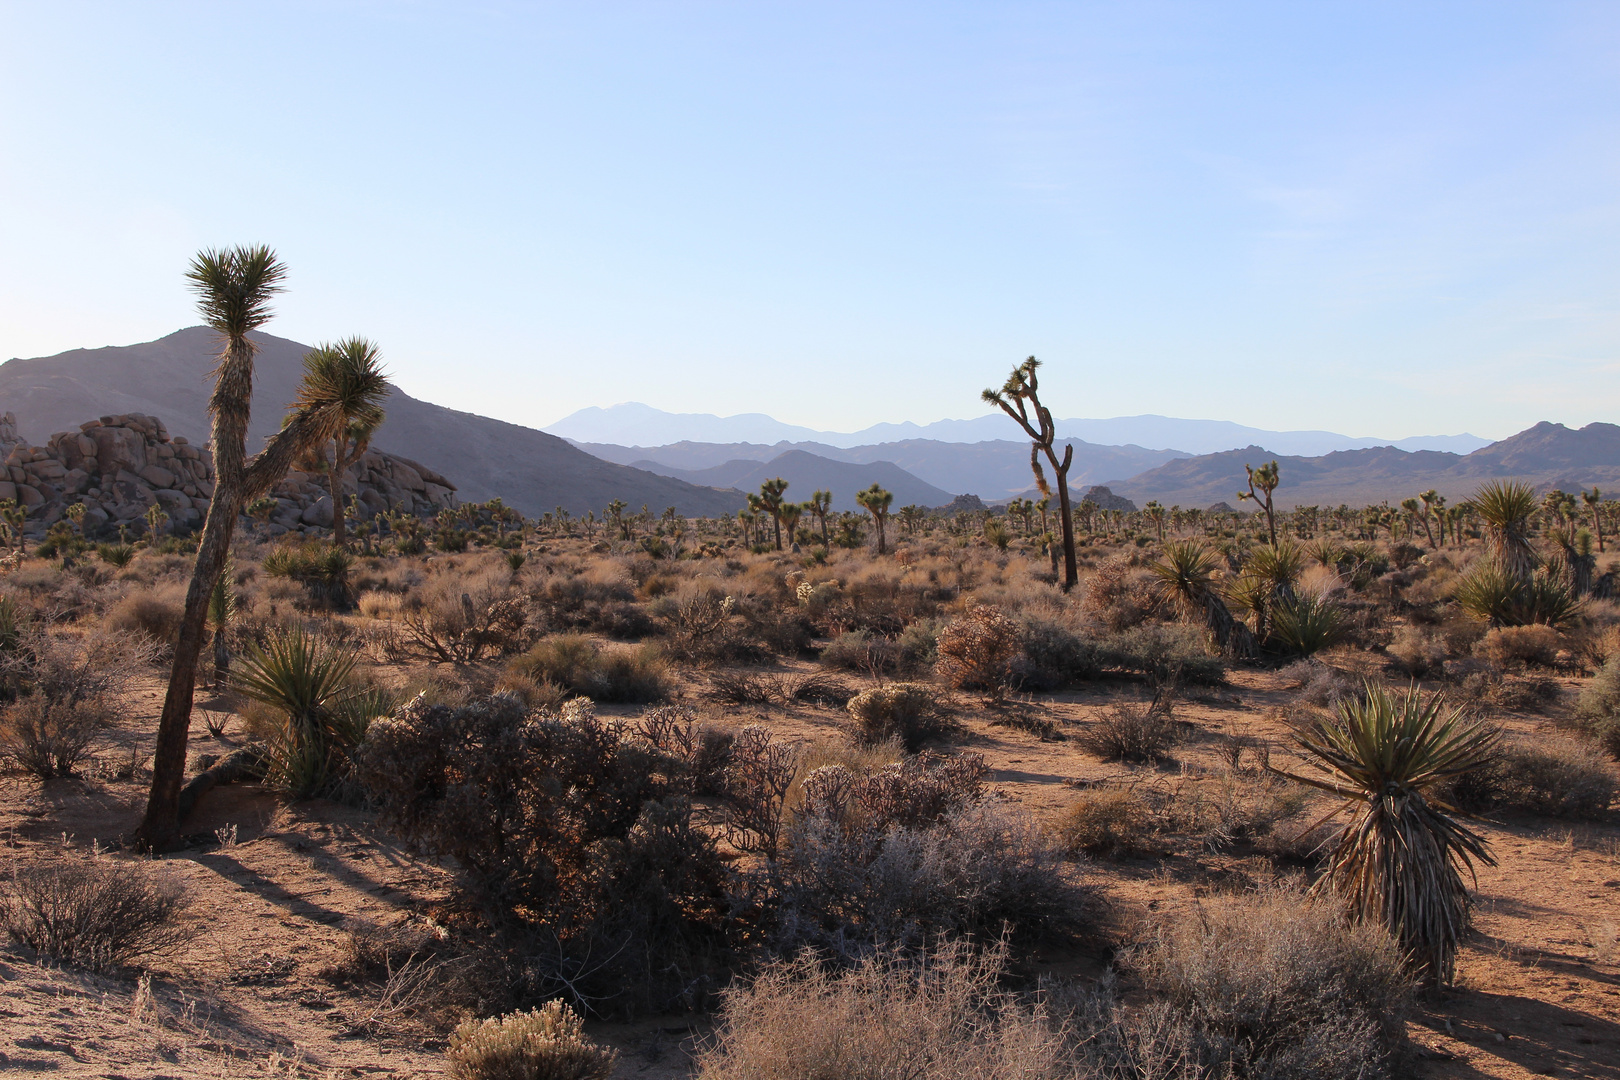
(877, 503)
(770, 501)
(1262, 482)
(1019, 398)
(330, 364)
(234, 288)
(820, 507)
(1593, 500)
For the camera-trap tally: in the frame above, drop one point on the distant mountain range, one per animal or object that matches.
(169, 378)
(1545, 456)
(634, 424)
(807, 473)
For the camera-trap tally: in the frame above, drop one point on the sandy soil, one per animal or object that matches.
(1538, 994)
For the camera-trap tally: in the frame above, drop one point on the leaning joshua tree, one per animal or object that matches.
(1017, 397)
(234, 289)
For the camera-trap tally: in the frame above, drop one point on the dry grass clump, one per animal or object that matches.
(979, 651)
(1132, 731)
(910, 712)
(1418, 652)
(632, 674)
(547, 1043)
(940, 1017)
(1107, 821)
(1276, 986)
(95, 913)
(155, 612)
(1520, 646)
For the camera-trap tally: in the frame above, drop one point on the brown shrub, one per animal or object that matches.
(979, 651)
(95, 913)
(1132, 732)
(157, 613)
(1520, 646)
(1417, 652)
(1107, 821)
(910, 712)
(547, 1043)
(49, 738)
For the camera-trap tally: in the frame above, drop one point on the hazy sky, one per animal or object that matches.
(1382, 219)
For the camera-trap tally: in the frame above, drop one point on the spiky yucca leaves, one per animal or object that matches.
(1187, 579)
(221, 609)
(1306, 625)
(324, 716)
(1491, 592)
(1506, 507)
(1399, 860)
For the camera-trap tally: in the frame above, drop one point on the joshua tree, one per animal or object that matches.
(1592, 499)
(1399, 861)
(789, 516)
(876, 501)
(820, 507)
(1265, 479)
(332, 364)
(1018, 396)
(75, 514)
(1433, 503)
(234, 290)
(770, 502)
(1505, 507)
(1186, 576)
(1155, 514)
(221, 608)
(156, 520)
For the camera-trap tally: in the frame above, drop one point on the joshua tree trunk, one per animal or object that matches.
(335, 479)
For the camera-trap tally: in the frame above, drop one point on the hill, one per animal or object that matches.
(1545, 456)
(169, 378)
(994, 469)
(633, 422)
(806, 472)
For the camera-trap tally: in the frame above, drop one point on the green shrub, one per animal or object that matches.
(633, 675)
(1554, 777)
(850, 651)
(117, 555)
(1162, 651)
(1056, 657)
(1307, 626)
(547, 1043)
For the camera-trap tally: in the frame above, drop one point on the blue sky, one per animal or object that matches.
(1381, 219)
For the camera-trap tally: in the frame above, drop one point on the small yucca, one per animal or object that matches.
(547, 1043)
(1399, 861)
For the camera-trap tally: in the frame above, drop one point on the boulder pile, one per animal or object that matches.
(120, 466)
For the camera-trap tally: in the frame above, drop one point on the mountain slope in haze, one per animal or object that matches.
(170, 378)
(633, 423)
(1545, 456)
(993, 470)
(806, 473)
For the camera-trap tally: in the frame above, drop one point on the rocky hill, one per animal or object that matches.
(169, 377)
(120, 466)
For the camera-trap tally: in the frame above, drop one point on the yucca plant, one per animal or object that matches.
(1399, 860)
(1506, 508)
(307, 680)
(1307, 625)
(1187, 579)
(1491, 592)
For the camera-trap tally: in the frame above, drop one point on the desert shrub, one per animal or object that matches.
(1121, 595)
(979, 651)
(572, 833)
(95, 913)
(156, 613)
(1278, 987)
(1599, 705)
(1320, 684)
(917, 648)
(1519, 646)
(1131, 731)
(380, 605)
(1237, 807)
(1417, 652)
(1555, 778)
(938, 1017)
(1106, 821)
(322, 569)
(50, 738)
(849, 651)
(1055, 656)
(911, 712)
(461, 617)
(547, 1043)
(702, 625)
(575, 663)
(1162, 651)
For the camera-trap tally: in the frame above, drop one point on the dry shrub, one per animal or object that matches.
(634, 674)
(979, 651)
(1417, 652)
(939, 1017)
(1107, 821)
(910, 712)
(1520, 646)
(1056, 657)
(49, 738)
(95, 913)
(1162, 651)
(1121, 595)
(574, 835)
(460, 616)
(1321, 685)
(742, 688)
(380, 605)
(1598, 706)
(1555, 778)
(854, 650)
(1275, 986)
(547, 1043)
(535, 694)
(156, 613)
(1132, 731)
(912, 852)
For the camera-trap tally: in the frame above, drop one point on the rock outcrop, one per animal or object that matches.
(120, 466)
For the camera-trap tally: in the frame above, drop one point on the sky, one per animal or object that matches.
(1379, 219)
